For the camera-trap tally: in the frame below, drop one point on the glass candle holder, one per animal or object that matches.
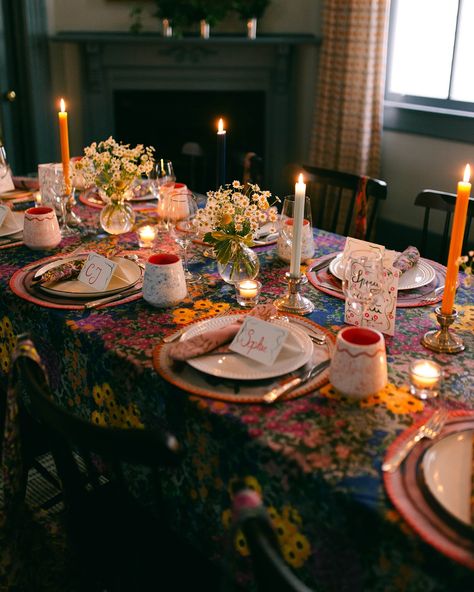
(146, 236)
(425, 379)
(247, 292)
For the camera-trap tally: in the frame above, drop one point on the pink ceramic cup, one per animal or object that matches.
(359, 363)
(41, 228)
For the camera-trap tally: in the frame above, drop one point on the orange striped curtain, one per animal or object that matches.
(348, 113)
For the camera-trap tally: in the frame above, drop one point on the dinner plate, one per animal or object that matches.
(8, 228)
(419, 275)
(295, 352)
(125, 276)
(448, 474)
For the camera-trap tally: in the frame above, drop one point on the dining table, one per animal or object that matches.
(315, 459)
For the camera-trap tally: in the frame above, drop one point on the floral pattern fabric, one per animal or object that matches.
(314, 460)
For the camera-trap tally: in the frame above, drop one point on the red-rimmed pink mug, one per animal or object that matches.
(359, 363)
(41, 228)
(164, 283)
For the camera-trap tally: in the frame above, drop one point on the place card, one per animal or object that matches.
(6, 183)
(97, 272)
(259, 340)
(381, 313)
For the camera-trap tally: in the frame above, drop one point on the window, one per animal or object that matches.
(430, 77)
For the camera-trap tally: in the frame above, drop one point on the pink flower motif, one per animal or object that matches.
(318, 461)
(342, 451)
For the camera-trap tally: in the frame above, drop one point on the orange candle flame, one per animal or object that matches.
(220, 126)
(300, 178)
(62, 105)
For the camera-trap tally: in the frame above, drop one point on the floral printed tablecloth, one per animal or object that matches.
(315, 460)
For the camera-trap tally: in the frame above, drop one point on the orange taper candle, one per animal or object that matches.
(64, 139)
(455, 246)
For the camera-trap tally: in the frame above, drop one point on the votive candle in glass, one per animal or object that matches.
(247, 292)
(425, 379)
(146, 236)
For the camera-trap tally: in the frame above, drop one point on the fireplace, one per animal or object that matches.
(182, 126)
(170, 92)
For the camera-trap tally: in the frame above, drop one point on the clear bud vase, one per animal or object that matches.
(242, 265)
(252, 28)
(205, 29)
(117, 217)
(167, 28)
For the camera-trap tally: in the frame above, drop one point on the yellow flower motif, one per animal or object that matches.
(291, 514)
(284, 529)
(98, 418)
(241, 544)
(252, 483)
(226, 518)
(219, 306)
(204, 304)
(465, 320)
(296, 550)
(98, 395)
(183, 316)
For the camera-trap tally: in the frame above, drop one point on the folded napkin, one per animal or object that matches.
(408, 259)
(211, 340)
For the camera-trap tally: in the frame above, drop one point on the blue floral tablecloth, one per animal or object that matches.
(315, 460)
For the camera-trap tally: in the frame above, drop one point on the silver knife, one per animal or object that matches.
(324, 263)
(303, 376)
(100, 301)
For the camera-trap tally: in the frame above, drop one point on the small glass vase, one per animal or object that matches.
(242, 265)
(117, 217)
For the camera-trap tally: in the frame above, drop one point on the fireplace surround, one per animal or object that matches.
(252, 82)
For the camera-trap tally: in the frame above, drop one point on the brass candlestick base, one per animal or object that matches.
(442, 340)
(294, 302)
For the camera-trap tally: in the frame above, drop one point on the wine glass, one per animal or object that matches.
(4, 166)
(62, 194)
(362, 281)
(162, 179)
(182, 209)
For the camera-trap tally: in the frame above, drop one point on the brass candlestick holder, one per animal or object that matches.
(443, 340)
(293, 301)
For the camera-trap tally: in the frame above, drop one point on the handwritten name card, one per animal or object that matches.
(259, 340)
(381, 312)
(97, 272)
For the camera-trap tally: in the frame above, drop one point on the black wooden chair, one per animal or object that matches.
(271, 574)
(444, 203)
(104, 522)
(333, 197)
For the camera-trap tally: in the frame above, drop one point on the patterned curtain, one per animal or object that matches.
(348, 115)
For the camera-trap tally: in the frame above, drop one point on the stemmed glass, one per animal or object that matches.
(4, 166)
(287, 215)
(62, 195)
(362, 281)
(162, 180)
(182, 209)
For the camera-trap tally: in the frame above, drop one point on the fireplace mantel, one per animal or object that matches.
(122, 61)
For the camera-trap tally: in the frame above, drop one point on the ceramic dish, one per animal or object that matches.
(125, 276)
(416, 277)
(295, 353)
(447, 468)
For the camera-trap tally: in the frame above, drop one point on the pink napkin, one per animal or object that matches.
(408, 259)
(211, 340)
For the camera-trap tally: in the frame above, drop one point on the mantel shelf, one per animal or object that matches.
(156, 38)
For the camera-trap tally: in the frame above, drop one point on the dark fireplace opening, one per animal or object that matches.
(182, 125)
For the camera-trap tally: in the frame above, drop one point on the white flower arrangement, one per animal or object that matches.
(466, 263)
(113, 166)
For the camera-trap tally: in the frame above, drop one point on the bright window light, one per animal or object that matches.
(462, 88)
(422, 48)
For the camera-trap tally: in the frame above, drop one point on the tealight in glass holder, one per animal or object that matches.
(247, 292)
(146, 236)
(425, 379)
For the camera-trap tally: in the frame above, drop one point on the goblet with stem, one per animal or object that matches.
(62, 193)
(182, 209)
(362, 281)
(162, 180)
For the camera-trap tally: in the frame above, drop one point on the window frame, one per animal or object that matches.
(440, 118)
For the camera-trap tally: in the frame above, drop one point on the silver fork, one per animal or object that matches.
(430, 430)
(176, 334)
(432, 296)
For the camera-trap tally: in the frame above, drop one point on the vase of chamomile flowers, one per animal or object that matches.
(113, 167)
(228, 221)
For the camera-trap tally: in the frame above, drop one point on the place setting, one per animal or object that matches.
(421, 281)
(79, 281)
(11, 227)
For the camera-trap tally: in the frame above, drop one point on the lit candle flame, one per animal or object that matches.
(220, 126)
(467, 174)
(63, 105)
(300, 178)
